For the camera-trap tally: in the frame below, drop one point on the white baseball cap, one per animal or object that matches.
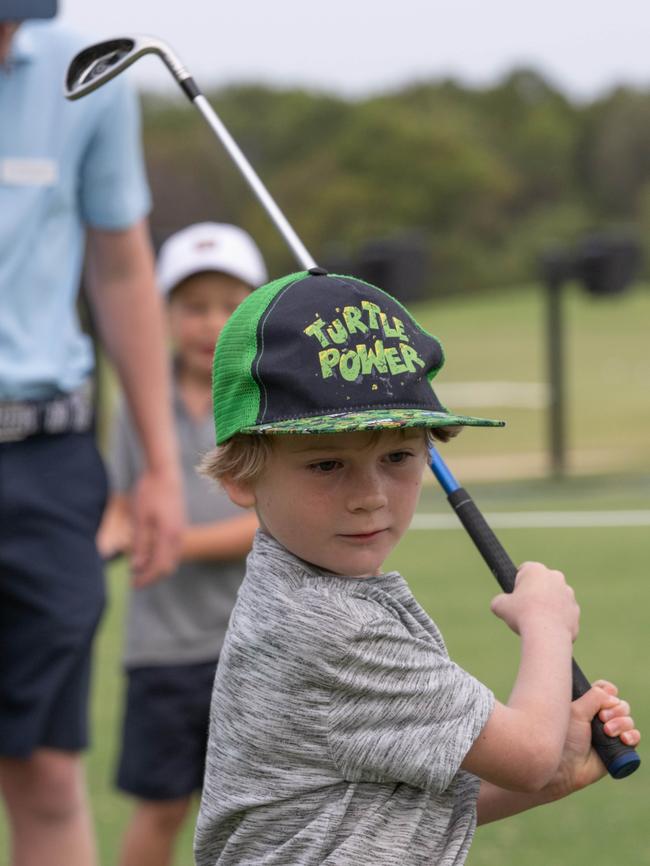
(209, 247)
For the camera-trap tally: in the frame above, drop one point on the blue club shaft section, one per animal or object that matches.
(441, 471)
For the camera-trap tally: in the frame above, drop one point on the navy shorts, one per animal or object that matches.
(165, 730)
(52, 494)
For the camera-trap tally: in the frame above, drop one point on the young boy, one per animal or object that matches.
(341, 732)
(175, 627)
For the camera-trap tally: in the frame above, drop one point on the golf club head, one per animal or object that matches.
(100, 62)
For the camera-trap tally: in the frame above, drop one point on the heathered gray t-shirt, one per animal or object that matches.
(338, 726)
(182, 618)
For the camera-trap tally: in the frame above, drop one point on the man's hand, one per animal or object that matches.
(115, 533)
(157, 526)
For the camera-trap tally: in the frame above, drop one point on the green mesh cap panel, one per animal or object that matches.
(235, 394)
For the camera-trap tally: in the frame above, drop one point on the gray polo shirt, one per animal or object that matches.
(180, 619)
(338, 726)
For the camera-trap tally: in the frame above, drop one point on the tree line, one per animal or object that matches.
(484, 179)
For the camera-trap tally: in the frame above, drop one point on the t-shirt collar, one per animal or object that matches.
(264, 545)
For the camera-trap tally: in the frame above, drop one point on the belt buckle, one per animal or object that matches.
(17, 421)
(68, 413)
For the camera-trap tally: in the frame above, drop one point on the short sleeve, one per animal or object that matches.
(124, 453)
(401, 710)
(114, 192)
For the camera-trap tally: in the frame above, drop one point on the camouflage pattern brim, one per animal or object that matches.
(372, 419)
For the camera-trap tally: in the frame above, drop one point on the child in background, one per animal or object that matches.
(176, 626)
(341, 732)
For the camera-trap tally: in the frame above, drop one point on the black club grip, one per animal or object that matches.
(620, 760)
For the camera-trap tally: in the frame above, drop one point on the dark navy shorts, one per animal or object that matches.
(165, 730)
(52, 494)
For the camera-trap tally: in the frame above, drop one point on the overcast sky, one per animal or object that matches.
(357, 47)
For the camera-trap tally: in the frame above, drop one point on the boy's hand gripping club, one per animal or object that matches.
(619, 759)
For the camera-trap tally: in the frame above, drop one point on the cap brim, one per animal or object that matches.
(372, 419)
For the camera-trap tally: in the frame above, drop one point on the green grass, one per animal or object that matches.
(608, 368)
(503, 337)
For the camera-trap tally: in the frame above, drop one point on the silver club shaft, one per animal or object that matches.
(266, 200)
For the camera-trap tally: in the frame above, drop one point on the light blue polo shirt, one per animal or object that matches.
(63, 165)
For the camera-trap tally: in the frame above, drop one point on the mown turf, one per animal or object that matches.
(503, 337)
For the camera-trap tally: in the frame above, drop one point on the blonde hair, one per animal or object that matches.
(242, 457)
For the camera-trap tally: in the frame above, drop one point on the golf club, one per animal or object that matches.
(96, 65)
(619, 759)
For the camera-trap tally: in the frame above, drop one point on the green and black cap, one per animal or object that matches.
(318, 353)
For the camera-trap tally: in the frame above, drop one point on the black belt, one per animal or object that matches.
(70, 413)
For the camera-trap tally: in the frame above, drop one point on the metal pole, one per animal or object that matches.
(555, 347)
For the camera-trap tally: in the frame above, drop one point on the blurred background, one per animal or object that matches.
(489, 164)
(445, 151)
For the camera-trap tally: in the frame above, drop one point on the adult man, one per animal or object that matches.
(71, 175)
